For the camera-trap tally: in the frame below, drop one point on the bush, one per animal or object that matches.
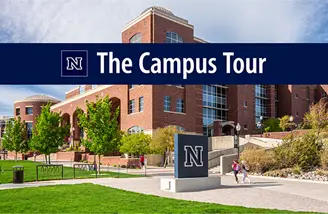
(324, 157)
(258, 160)
(282, 173)
(123, 166)
(302, 151)
(272, 125)
(297, 170)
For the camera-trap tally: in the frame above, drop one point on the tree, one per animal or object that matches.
(135, 144)
(48, 135)
(317, 117)
(101, 127)
(272, 125)
(285, 123)
(15, 137)
(163, 141)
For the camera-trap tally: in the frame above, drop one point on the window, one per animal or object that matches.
(296, 96)
(245, 127)
(132, 86)
(180, 106)
(261, 100)
(167, 103)
(82, 89)
(94, 86)
(17, 111)
(260, 91)
(214, 106)
(179, 128)
(131, 106)
(141, 104)
(324, 94)
(136, 38)
(245, 103)
(172, 37)
(29, 128)
(308, 93)
(81, 132)
(29, 110)
(135, 129)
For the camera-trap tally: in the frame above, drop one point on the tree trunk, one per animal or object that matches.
(99, 164)
(49, 159)
(15, 156)
(45, 159)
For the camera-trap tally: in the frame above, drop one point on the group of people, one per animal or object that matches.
(240, 168)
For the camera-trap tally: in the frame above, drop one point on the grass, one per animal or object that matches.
(90, 198)
(30, 172)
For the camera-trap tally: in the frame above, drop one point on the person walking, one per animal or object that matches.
(142, 161)
(245, 169)
(236, 168)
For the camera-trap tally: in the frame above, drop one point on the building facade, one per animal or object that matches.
(192, 108)
(4, 120)
(29, 108)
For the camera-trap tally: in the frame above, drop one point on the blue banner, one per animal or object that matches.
(163, 63)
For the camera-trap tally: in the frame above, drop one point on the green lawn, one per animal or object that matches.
(30, 172)
(89, 198)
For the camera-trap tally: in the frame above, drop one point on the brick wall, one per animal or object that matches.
(281, 135)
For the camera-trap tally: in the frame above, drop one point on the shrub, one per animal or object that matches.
(258, 160)
(282, 173)
(297, 170)
(272, 125)
(123, 166)
(299, 151)
(321, 172)
(324, 157)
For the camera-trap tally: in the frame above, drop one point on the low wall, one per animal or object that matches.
(281, 135)
(226, 162)
(155, 160)
(112, 160)
(214, 156)
(220, 142)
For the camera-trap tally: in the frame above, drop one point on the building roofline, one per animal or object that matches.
(155, 11)
(87, 93)
(73, 89)
(200, 40)
(37, 101)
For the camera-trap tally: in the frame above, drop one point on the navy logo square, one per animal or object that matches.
(74, 63)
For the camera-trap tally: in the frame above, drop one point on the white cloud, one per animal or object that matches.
(217, 21)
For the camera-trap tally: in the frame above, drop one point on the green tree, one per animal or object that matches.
(163, 141)
(101, 127)
(135, 144)
(48, 135)
(285, 123)
(317, 116)
(272, 125)
(15, 137)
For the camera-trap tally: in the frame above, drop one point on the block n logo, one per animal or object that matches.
(74, 63)
(193, 156)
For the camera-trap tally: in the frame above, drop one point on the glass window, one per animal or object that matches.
(172, 37)
(141, 104)
(94, 86)
(135, 129)
(17, 111)
(180, 105)
(131, 106)
(167, 103)
(29, 128)
(136, 38)
(214, 106)
(132, 86)
(81, 132)
(307, 92)
(82, 89)
(29, 110)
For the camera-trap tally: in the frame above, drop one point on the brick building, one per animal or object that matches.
(4, 120)
(29, 108)
(201, 109)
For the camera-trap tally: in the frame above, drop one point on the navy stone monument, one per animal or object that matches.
(190, 166)
(190, 156)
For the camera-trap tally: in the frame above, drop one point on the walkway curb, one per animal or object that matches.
(283, 179)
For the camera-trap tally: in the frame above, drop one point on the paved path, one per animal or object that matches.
(263, 193)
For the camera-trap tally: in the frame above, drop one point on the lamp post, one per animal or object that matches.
(236, 139)
(261, 123)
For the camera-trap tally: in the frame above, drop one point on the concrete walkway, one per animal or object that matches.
(262, 193)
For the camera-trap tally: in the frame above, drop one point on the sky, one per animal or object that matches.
(101, 21)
